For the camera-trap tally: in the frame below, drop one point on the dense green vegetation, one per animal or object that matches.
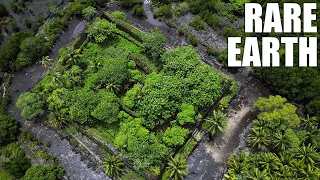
(45, 172)
(25, 48)
(14, 161)
(298, 84)
(104, 84)
(282, 145)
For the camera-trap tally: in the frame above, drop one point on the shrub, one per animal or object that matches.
(119, 15)
(45, 172)
(101, 29)
(138, 11)
(197, 23)
(193, 40)
(89, 12)
(8, 129)
(164, 11)
(154, 43)
(27, 22)
(181, 9)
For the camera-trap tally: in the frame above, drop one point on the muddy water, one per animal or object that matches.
(75, 168)
(207, 162)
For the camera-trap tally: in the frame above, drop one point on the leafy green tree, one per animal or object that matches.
(108, 109)
(113, 74)
(279, 114)
(138, 10)
(177, 167)
(113, 166)
(175, 136)
(202, 85)
(6, 176)
(160, 99)
(32, 48)
(31, 105)
(100, 30)
(83, 103)
(132, 95)
(89, 12)
(44, 172)
(186, 115)
(237, 6)
(17, 166)
(8, 129)
(119, 15)
(9, 51)
(11, 151)
(14, 161)
(143, 147)
(154, 43)
(216, 123)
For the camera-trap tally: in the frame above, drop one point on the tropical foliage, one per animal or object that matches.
(283, 145)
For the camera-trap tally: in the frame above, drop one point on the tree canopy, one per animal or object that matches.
(44, 172)
(100, 30)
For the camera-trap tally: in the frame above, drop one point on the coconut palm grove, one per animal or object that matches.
(141, 90)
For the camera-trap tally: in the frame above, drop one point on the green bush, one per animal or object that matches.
(100, 30)
(164, 11)
(44, 172)
(89, 12)
(8, 129)
(181, 9)
(138, 11)
(119, 15)
(193, 40)
(27, 22)
(197, 23)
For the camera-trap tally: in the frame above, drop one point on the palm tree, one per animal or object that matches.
(311, 136)
(284, 172)
(280, 142)
(46, 61)
(73, 57)
(57, 119)
(111, 87)
(258, 138)
(258, 124)
(177, 167)
(307, 154)
(216, 123)
(311, 172)
(113, 166)
(269, 161)
(308, 123)
(296, 167)
(256, 174)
